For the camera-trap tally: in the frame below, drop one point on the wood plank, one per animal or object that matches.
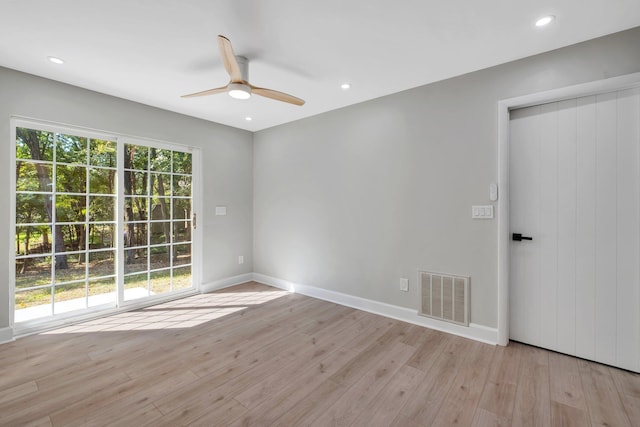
(569, 416)
(289, 388)
(546, 283)
(356, 398)
(628, 229)
(498, 397)
(567, 214)
(532, 405)
(423, 406)
(386, 406)
(565, 381)
(586, 227)
(606, 228)
(462, 400)
(628, 386)
(601, 395)
(17, 392)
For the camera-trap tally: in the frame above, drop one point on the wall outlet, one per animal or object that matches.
(241, 259)
(404, 285)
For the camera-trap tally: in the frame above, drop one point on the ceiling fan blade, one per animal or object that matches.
(278, 96)
(229, 59)
(206, 92)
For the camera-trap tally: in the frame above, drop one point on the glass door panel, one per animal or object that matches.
(65, 197)
(157, 221)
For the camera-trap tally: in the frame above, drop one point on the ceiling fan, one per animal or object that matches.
(239, 86)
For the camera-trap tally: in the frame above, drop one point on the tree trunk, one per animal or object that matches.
(166, 215)
(30, 137)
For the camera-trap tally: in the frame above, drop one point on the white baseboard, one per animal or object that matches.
(225, 283)
(6, 335)
(475, 332)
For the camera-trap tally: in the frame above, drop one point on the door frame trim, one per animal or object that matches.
(504, 106)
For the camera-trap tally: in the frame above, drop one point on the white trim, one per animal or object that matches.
(225, 283)
(504, 106)
(12, 224)
(6, 335)
(474, 331)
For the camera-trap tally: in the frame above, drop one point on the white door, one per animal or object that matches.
(574, 171)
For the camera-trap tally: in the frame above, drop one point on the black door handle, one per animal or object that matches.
(519, 237)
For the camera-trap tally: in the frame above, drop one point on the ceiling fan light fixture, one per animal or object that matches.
(239, 91)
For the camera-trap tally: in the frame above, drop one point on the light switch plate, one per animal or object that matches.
(221, 210)
(482, 212)
(404, 285)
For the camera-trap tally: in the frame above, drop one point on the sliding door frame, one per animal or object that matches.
(36, 325)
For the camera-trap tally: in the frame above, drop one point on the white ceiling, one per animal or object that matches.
(153, 51)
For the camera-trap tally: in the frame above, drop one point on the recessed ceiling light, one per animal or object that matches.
(56, 60)
(345, 86)
(545, 20)
(248, 118)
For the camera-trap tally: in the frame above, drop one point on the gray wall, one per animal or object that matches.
(227, 155)
(354, 199)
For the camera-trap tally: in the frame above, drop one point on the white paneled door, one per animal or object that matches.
(574, 171)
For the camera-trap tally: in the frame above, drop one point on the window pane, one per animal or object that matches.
(34, 144)
(160, 281)
(136, 157)
(160, 232)
(71, 179)
(182, 231)
(33, 272)
(136, 183)
(181, 208)
(71, 208)
(160, 160)
(181, 162)
(102, 291)
(102, 181)
(103, 153)
(182, 254)
(71, 149)
(102, 263)
(135, 260)
(40, 298)
(160, 184)
(135, 235)
(33, 177)
(33, 240)
(181, 185)
(160, 208)
(136, 208)
(32, 208)
(136, 286)
(76, 268)
(70, 297)
(160, 257)
(102, 236)
(182, 278)
(102, 208)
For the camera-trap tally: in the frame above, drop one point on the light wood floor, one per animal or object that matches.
(254, 355)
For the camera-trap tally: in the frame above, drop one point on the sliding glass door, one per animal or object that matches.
(157, 221)
(98, 222)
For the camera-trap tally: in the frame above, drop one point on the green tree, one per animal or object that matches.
(38, 145)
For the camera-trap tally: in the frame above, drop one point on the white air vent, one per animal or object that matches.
(444, 297)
